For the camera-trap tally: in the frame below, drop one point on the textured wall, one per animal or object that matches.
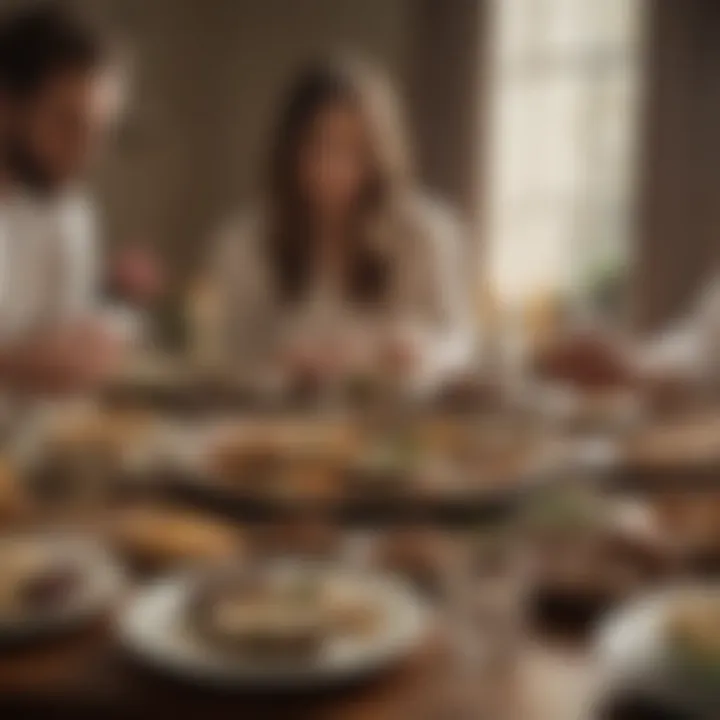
(208, 76)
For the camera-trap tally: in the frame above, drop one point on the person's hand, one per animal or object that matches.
(69, 359)
(136, 274)
(328, 355)
(399, 356)
(399, 352)
(103, 348)
(588, 360)
(310, 364)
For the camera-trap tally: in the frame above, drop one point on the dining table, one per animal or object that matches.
(88, 674)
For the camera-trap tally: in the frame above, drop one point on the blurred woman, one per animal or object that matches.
(344, 262)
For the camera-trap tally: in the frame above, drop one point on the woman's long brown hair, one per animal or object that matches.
(379, 212)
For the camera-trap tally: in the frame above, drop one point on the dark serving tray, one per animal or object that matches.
(459, 508)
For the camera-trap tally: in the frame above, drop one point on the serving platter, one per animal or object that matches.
(154, 630)
(464, 491)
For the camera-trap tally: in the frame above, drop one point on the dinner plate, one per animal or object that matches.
(155, 630)
(100, 582)
(636, 658)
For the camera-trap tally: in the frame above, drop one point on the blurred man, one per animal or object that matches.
(56, 101)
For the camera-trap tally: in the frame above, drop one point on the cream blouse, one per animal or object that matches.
(429, 296)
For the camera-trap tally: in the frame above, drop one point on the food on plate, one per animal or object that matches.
(292, 438)
(469, 393)
(691, 518)
(161, 537)
(587, 359)
(692, 630)
(248, 457)
(14, 503)
(280, 457)
(590, 409)
(99, 440)
(263, 619)
(329, 459)
(35, 579)
(694, 622)
(87, 456)
(298, 537)
(277, 615)
(108, 433)
(691, 442)
(397, 464)
(445, 436)
(567, 509)
(501, 452)
(611, 409)
(387, 465)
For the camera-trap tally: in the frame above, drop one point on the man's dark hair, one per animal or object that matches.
(41, 41)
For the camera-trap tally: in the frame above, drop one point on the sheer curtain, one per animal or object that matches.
(564, 91)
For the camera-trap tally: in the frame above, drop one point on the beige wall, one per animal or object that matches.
(208, 75)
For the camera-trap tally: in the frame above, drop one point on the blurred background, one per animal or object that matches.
(578, 138)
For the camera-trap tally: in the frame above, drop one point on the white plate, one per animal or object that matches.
(153, 628)
(635, 656)
(98, 586)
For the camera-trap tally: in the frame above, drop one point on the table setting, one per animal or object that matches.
(448, 560)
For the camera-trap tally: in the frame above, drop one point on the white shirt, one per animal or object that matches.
(691, 345)
(47, 277)
(430, 295)
(47, 263)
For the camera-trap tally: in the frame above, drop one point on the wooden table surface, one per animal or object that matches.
(87, 675)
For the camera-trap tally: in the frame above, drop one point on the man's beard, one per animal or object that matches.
(24, 168)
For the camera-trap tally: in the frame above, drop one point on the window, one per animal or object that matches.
(564, 100)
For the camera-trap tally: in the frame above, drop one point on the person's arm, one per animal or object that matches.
(56, 362)
(28, 366)
(689, 347)
(683, 354)
(136, 271)
(78, 341)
